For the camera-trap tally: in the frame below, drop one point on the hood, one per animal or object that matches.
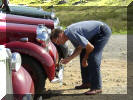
(26, 20)
(15, 32)
(26, 10)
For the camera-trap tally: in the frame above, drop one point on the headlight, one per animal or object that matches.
(43, 34)
(56, 22)
(42, 37)
(15, 61)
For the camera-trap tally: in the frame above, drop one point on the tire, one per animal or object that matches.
(36, 71)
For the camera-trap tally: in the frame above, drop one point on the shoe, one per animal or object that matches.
(83, 86)
(93, 92)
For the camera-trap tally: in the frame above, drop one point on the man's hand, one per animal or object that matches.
(76, 52)
(65, 60)
(84, 62)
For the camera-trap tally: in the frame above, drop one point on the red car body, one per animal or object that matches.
(9, 18)
(11, 34)
(22, 82)
(19, 33)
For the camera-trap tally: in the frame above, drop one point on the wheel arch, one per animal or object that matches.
(36, 52)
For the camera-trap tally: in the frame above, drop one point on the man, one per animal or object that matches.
(89, 39)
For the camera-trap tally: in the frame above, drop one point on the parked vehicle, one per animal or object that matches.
(15, 79)
(38, 13)
(39, 55)
(28, 11)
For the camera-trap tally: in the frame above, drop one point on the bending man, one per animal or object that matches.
(89, 39)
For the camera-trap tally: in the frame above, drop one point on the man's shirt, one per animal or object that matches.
(82, 32)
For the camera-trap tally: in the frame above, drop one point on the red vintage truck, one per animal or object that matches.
(30, 37)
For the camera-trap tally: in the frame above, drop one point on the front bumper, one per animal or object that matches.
(59, 77)
(60, 68)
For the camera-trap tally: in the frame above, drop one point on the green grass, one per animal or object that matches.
(70, 2)
(115, 17)
(112, 12)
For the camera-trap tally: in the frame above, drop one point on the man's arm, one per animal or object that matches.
(76, 52)
(89, 49)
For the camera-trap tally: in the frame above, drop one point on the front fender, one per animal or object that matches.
(36, 52)
(22, 82)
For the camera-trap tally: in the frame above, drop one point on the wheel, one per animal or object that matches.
(36, 71)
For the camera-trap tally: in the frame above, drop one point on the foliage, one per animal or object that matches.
(70, 2)
(114, 16)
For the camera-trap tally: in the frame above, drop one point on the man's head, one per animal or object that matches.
(58, 36)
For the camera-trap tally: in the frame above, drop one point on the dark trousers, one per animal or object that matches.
(91, 74)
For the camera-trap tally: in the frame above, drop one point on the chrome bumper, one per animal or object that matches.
(59, 77)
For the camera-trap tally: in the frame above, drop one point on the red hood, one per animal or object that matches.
(14, 32)
(26, 20)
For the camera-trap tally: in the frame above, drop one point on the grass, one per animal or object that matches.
(115, 17)
(70, 2)
(112, 12)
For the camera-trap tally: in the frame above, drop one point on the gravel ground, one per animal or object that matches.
(113, 69)
(116, 47)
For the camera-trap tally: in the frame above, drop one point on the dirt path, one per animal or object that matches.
(113, 68)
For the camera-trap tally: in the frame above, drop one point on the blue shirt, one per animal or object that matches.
(82, 32)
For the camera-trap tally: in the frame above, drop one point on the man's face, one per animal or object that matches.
(59, 40)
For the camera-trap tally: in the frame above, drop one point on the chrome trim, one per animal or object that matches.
(59, 78)
(16, 61)
(24, 39)
(43, 33)
(52, 15)
(43, 36)
(9, 54)
(56, 22)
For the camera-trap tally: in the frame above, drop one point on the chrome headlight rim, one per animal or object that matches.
(43, 33)
(42, 37)
(16, 61)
